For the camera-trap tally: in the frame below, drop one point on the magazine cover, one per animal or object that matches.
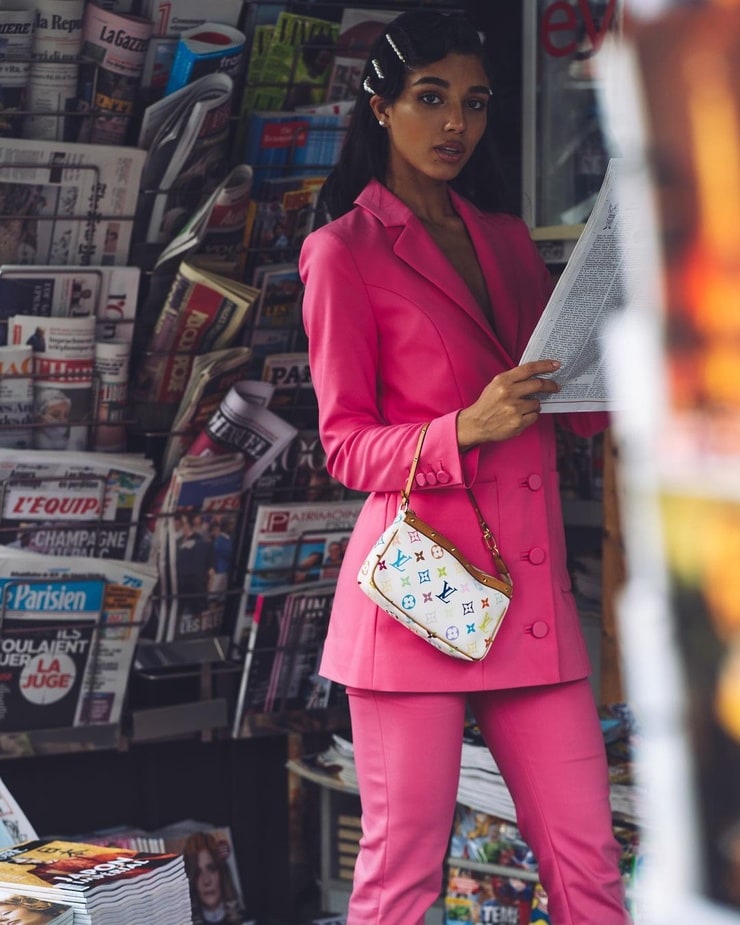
(277, 541)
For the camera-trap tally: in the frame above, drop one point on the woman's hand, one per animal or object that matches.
(506, 406)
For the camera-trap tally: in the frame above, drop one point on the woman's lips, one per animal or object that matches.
(449, 152)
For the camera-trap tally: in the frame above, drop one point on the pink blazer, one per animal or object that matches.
(397, 339)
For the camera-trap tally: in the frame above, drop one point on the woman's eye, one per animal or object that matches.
(478, 105)
(431, 99)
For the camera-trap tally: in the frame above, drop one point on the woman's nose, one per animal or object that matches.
(456, 120)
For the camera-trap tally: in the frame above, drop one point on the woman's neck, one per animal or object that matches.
(430, 202)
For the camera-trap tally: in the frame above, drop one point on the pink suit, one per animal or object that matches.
(397, 339)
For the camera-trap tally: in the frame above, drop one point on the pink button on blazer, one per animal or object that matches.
(397, 339)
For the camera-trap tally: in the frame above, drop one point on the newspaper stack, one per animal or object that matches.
(103, 886)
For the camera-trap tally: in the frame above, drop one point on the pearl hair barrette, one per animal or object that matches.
(376, 67)
(367, 88)
(395, 48)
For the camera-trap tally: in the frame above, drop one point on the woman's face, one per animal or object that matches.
(437, 121)
(208, 880)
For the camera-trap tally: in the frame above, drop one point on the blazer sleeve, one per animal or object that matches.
(364, 452)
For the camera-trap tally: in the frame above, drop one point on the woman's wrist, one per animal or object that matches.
(467, 434)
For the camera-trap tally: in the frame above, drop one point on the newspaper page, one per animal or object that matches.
(128, 588)
(16, 397)
(109, 293)
(110, 396)
(589, 294)
(67, 203)
(243, 425)
(185, 135)
(16, 42)
(49, 635)
(111, 64)
(63, 361)
(211, 377)
(52, 89)
(72, 504)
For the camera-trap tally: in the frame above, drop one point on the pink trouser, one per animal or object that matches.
(548, 745)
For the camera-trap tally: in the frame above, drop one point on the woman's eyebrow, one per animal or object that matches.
(439, 82)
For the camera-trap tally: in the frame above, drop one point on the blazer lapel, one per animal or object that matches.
(418, 250)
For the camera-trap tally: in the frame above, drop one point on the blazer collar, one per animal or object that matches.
(416, 247)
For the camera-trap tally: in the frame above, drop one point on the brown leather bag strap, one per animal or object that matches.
(488, 537)
(406, 493)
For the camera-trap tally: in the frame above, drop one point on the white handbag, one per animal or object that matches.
(419, 577)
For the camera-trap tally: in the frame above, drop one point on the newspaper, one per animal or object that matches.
(67, 203)
(289, 545)
(72, 504)
(126, 596)
(16, 397)
(211, 377)
(57, 40)
(63, 362)
(110, 394)
(587, 297)
(186, 135)
(203, 312)
(16, 42)
(241, 424)
(206, 49)
(49, 631)
(108, 293)
(111, 63)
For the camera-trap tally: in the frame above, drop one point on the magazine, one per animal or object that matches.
(55, 56)
(206, 49)
(246, 426)
(289, 545)
(185, 136)
(358, 29)
(63, 362)
(21, 909)
(171, 18)
(111, 63)
(16, 397)
(14, 825)
(108, 293)
(72, 504)
(215, 232)
(98, 881)
(73, 206)
(294, 395)
(296, 66)
(203, 312)
(211, 377)
(202, 512)
(295, 668)
(279, 303)
(299, 473)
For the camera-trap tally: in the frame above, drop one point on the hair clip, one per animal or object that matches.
(376, 67)
(367, 88)
(395, 48)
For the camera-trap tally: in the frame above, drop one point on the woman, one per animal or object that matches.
(419, 297)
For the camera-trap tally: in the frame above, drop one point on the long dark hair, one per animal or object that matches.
(414, 39)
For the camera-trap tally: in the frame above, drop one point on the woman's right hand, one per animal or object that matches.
(507, 405)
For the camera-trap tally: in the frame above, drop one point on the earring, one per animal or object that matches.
(381, 123)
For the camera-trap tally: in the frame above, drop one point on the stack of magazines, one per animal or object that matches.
(14, 907)
(100, 885)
